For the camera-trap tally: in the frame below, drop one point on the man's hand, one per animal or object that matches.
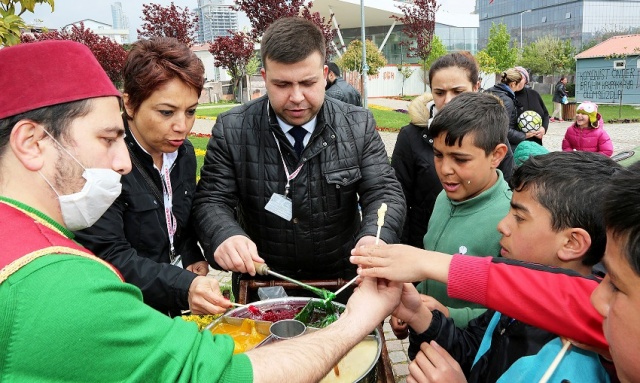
(205, 297)
(373, 300)
(238, 253)
(434, 364)
(201, 268)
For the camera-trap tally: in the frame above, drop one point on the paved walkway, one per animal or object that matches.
(624, 137)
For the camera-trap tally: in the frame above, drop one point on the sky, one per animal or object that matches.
(70, 11)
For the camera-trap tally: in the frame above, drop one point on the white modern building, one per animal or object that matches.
(120, 36)
(215, 18)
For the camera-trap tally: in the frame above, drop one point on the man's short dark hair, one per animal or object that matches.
(333, 67)
(570, 185)
(56, 119)
(479, 114)
(290, 40)
(622, 213)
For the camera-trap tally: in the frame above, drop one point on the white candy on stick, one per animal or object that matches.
(381, 212)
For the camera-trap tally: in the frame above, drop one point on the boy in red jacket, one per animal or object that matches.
(562, 309)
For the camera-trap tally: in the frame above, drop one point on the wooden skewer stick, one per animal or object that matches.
(555, 363)
(381, 212)
(237, 304)
(346, 285)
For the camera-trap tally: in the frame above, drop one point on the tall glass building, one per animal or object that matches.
(215, 18)
(120, 20)
(577, 20)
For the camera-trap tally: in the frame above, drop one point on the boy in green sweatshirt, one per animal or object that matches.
(468, 146)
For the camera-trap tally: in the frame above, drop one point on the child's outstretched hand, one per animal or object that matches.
(400, 263)
(412, 310)
(399, 327)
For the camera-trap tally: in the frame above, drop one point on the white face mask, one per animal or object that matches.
(82, 209)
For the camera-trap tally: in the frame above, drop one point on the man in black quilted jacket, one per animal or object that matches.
(285, 174)
(339, 89)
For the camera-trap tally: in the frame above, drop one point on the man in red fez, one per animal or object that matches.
(66, 315)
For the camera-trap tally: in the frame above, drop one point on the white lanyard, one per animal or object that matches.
(291, 176)
(168, 205)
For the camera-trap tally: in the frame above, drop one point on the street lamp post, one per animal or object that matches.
(365, 67)
(522, 13)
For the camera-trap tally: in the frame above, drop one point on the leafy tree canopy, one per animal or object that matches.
(234, 53)
(262, 13)
(109, 54)
(548, 55)
(11, 23)
(419, 22)
(352, 58)
(499, 47)
(436, 51)
(169, 21)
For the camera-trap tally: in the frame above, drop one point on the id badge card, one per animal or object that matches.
(280, 206)
(177, 262)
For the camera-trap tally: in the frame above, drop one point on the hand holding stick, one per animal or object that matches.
(381, 212)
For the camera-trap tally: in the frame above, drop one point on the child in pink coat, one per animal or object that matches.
(587, 133)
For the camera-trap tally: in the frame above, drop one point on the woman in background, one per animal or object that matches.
(505, 91)
(530, 99)
(412, 159)
(560, 91)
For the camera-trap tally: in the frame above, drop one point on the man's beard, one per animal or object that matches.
(68, 178)
(329, 83)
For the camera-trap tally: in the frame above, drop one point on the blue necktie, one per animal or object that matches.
(298, 134)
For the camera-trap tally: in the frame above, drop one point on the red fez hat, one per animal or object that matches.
(35, 75)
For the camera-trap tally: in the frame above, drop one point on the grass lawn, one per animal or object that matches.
(212, 112)
(200, 145)
(385, 118)
(389, 119)
(608, 112)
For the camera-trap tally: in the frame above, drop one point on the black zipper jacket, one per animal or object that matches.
(132, 235)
